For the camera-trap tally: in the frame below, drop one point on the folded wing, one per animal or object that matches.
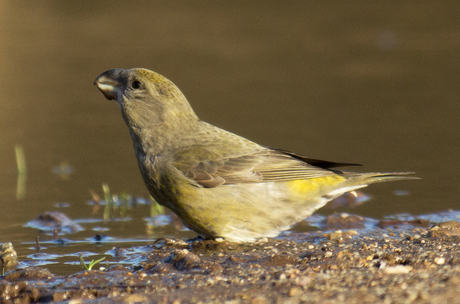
(266, 165)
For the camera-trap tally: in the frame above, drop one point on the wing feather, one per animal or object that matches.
(264, 165)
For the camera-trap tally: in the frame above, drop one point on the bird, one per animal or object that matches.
(221, 185)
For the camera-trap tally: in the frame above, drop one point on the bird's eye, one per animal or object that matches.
(136, 84)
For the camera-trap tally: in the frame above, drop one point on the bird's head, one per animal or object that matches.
(149, 102)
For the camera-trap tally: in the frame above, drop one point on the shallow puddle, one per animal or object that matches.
(60, 251)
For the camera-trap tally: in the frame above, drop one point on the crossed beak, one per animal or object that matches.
(109, 84)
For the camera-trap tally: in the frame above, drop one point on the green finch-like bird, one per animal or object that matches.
(220, 184)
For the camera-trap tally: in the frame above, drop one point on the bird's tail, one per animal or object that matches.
(377, 177)
(356, 181)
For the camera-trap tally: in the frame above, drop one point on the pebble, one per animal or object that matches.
(397, 269)
(335, 235)
(440, 260)
(259, 300)
(295, 291)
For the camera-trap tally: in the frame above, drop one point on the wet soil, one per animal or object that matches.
(389, 265)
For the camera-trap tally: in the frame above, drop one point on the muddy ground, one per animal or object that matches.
(420, 265)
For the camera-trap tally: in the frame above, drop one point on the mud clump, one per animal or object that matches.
(8, 257)
(450, 228)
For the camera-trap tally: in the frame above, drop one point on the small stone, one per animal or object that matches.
(303, 281)
(335, 235)
(455, 280)
(425, 296)
(449, 224)
(294, 291)
(344, 221)
(259, 300)
(328, 254)
(183, 259)
(398, 269)
(450, 228)
(440, 260)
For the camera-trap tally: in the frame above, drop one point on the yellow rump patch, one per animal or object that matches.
(305, 186)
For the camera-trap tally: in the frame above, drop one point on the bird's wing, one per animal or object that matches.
(266, 165)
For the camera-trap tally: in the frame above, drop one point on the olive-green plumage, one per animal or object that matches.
(218, 183)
